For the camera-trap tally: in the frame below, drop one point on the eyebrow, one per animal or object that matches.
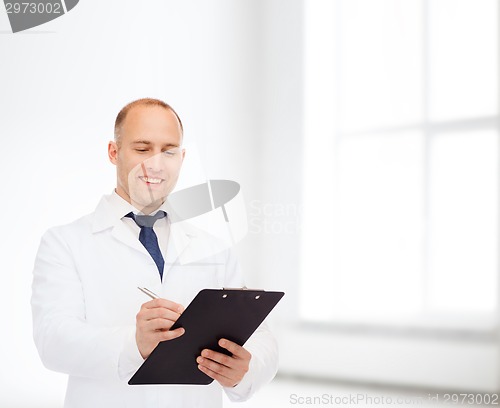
(147, 142)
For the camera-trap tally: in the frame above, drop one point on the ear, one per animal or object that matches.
(112, 152)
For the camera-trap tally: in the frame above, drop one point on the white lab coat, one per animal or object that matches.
(85, 300)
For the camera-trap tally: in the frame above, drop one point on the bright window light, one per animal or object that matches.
(464, 222)
(463, 38)
(401, 174)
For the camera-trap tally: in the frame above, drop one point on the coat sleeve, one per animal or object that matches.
(65, 341)
(262, 346)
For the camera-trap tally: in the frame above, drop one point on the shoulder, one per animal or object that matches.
(69, 231)
(84, 224)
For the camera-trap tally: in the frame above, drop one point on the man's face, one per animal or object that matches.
(148, 156)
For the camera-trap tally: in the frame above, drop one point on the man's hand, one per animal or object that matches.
(227, 370)
(153, 322)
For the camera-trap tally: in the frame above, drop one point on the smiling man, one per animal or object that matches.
(148, 136)
(91, 322)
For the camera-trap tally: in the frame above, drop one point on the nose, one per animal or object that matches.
(154, 163)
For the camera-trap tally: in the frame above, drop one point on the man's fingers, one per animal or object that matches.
(160, 336)
(235, 349)
(168, 334)
(159, 309)
(156, 325)
(165, 303)
(222, 379)
(217, 357)
(153, 323)
(157, 313)
(172, 334)
(227, 370)
(214, 367)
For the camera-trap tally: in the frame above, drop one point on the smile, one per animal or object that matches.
(151, 180)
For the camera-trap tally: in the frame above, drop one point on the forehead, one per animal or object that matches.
(152, 123)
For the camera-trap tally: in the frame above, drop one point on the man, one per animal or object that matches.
(90, 321)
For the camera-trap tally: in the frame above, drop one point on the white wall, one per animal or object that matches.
(277, 215)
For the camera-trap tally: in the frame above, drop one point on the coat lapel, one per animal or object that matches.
(123, 234)
(178, 241)
(105, 218)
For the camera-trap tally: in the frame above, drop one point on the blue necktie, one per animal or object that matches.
(148, 238)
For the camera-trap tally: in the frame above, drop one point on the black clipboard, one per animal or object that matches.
(213, 314)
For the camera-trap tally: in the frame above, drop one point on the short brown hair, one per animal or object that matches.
(120, 118)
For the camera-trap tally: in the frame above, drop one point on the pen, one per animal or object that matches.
(152, 295)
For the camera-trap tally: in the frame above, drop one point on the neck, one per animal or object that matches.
(147, 209)
(141, 207)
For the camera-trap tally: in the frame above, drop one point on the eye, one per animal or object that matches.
(171, 152)
(141, 150)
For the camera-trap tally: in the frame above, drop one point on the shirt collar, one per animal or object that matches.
(112, 208)
(121, 207)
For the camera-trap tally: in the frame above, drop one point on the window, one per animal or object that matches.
(401, 161)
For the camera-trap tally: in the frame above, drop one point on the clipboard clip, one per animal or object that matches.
(244, 288)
